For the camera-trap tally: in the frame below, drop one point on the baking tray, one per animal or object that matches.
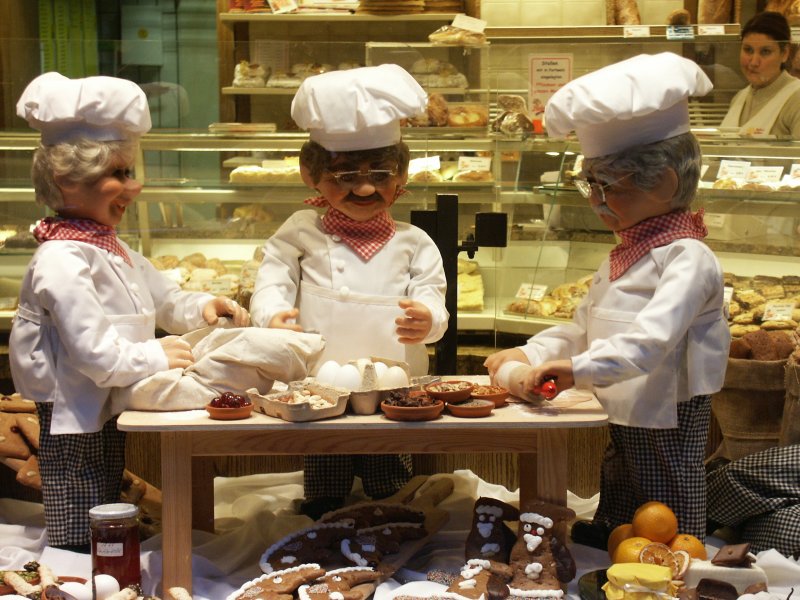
(272, 405)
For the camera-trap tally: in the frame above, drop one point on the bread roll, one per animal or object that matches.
(714, 11)
(679, 17)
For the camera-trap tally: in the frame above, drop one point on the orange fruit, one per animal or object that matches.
(628, 550)
(660, 554)
(683, 562)
(689, 544)
(655, 521)
(619, 533)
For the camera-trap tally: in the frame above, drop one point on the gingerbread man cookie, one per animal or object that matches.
(489, 537)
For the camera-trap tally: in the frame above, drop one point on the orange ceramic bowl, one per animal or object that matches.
(495, 393)
(471, 409)
(229, 414)
(412, 413)
(450, 391)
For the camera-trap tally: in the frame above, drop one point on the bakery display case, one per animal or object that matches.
(217, 217)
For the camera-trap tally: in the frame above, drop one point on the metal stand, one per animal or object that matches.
(442, 225)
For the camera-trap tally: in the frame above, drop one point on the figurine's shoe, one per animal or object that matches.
(590, 534)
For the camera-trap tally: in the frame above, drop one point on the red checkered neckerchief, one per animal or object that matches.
(82, 230)
(652, 233)
(365, 238)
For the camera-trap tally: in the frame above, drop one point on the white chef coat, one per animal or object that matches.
(351, 302)
(652, 338)
(86, 323)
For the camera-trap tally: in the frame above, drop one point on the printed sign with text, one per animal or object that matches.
(547, 74)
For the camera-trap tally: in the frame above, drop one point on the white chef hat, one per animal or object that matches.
(636, 101)
(357, 109)
(100, 108)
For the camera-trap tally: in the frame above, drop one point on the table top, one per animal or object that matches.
(570, 409)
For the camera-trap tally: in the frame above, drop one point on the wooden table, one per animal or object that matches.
(539, 436)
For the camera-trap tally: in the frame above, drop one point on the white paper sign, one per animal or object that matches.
(778, 310)
(547, 73)
(714, 219)
(632, 31)
(711, 29)
(732, 169)
(764, 174)
(463, 21)
(474, 163)
(425, 163)
(529, 291)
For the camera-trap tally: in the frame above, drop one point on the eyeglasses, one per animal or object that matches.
(588, 188)
(377, 177)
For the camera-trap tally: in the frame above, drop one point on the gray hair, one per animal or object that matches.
(83, 161)
(647, 163)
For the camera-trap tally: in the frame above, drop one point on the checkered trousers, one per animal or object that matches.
(642, 464)
(331, 476)
(760, 495)
(78, 471)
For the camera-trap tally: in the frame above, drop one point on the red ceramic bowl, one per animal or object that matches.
(229, 414)
(412, 413)
(471, 409)
(450, 391)
(495, 393)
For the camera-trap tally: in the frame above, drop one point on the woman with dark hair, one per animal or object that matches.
(770, 104)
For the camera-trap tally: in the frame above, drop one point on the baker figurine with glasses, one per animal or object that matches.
(650, 339)
(370, 285)
(89, 304)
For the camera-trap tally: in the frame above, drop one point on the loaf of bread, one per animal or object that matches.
(679, 17)
(714, 11)
(627, 13)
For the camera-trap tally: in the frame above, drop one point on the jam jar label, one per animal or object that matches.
(110, 549)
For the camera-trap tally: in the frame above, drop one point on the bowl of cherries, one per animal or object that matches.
(229, 406)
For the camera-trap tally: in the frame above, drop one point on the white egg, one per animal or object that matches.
(394, 377)
(105, 586)
(81, 591)
(380, 369)
(327, 372)
(348, 378)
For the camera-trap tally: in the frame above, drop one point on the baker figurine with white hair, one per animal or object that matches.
(89, 304)
(650, 339)
(370, 285)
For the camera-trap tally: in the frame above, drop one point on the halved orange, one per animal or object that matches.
(660, 554)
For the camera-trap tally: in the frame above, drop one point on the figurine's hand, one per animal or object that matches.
(286, 319)
(225, 307)
(494, 361)
(415, 324)
(561, 370)
(178, 351)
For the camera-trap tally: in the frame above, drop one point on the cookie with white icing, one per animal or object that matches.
(278, 585)
(489, 537)
(368, 514)
(318, 543)
(482, 580)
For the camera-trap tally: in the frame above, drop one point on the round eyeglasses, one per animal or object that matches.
(376, 177)
(588, 188)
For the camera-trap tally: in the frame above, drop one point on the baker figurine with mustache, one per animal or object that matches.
(370, 285)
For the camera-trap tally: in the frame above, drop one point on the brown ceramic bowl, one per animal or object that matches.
(495, 393)
(471, 409)
(229, 414)
(412, 413)
(450, 391)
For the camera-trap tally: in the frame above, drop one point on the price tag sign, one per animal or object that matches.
(635, 31)
(727, 294)
(733, 169)
(463, 21)
(680, 32)
(764, 174)
(714, 219)
(711, 29)
(529, 291)
(474, 163)
(219, 286)
(778, 310)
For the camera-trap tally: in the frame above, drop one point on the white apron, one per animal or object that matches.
(357, 325)
(763, 120)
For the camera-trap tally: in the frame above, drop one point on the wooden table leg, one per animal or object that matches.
(543, 475)
(203, 493)
(176, 519)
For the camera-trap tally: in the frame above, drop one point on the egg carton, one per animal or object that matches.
(275, 404)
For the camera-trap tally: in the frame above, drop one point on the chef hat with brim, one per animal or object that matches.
(99, 108)
(357, 109)
(637, 101)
